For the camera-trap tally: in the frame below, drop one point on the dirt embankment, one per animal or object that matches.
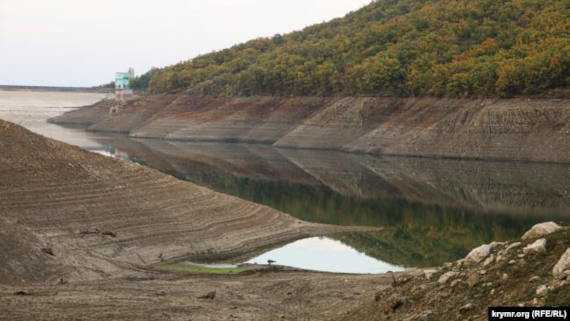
(69, 214)
(513, 129)
(78, 232)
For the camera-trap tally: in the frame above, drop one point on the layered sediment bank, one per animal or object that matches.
(492, 129)
(67, 214)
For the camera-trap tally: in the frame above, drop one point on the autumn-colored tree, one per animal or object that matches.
(451, 48)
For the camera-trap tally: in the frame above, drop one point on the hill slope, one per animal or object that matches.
(67, 213)
(405, 47)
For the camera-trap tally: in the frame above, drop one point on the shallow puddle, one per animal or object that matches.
(326, 255)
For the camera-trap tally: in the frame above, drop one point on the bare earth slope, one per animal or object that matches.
(67, 213)
(503, 129)
(76, 223)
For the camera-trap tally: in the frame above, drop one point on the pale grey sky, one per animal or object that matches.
(83, 42)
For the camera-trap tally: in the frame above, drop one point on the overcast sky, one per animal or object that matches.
(83, 42)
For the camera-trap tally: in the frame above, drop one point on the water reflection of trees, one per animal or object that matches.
(430, 211)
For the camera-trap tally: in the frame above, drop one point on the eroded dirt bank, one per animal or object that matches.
(67, 214)
(504, 129)
(78, 232)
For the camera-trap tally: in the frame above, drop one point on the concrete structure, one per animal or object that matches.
(123, 84)
(122, 80)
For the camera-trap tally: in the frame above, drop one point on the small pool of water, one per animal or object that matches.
(326, 255)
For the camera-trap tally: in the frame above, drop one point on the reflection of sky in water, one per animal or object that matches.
(110, 152)
(324, 254)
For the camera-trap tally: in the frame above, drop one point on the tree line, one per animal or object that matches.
(452, 48)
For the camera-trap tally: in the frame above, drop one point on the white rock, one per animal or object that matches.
(539, 246)
(477, 254)
(514, 245)
(446, 276)
(489, 260)
(428, 273)
(563, 264)
(541, 291)
(495, 244)
(540, 230)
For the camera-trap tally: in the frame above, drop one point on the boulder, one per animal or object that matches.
(489, 260)
(562, 265)
(539, 246)
(446, 276)
(496, 244)
(540, 230)
(477, 254)
(541, 291)
(513, 246)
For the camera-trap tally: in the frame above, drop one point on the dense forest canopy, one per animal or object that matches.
(397, 47)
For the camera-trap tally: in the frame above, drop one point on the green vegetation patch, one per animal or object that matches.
(183, 267)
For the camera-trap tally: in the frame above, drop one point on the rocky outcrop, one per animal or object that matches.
(67, 213)
(463, 291)
(478, 254)
(540, 230)
(539, 246)
(514, 129)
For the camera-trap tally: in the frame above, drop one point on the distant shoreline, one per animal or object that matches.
(55, 88)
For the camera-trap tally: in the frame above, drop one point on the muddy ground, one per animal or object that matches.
(158, 296)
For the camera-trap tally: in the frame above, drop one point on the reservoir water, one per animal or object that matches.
(430, 210)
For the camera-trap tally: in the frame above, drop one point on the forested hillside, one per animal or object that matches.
(450, 48)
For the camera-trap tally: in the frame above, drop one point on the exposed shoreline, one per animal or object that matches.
(99, 215)
(523, 130)
(79, 228)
